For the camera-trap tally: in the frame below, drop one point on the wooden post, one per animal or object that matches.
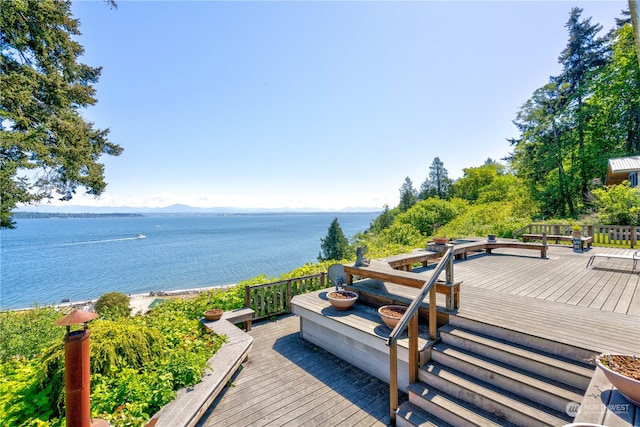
(393, 383)
(449, 271)
(544, 239)
(413, 348)
(433, 316)
(634, 236)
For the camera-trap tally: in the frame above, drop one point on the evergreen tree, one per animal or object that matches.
(46, 146)
(334, 246)
(584, 54)
(438, 184)
(408, 195)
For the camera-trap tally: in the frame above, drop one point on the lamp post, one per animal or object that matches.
(77, 372)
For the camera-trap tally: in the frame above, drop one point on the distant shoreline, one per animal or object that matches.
(54, 215)
(139, 303)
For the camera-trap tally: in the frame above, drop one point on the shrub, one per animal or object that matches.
(113, 305)
(26, 333)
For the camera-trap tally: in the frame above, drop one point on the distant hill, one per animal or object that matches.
(177, 208)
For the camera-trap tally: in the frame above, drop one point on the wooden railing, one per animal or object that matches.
(623, 235)
(410, 320)
(271, 299)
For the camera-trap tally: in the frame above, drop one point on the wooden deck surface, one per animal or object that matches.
(562, 277)
(288, 381)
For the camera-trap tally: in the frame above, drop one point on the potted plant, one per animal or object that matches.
(342, 299)
(213, 314)
(576, 231)
(391, 314)
(623, 371)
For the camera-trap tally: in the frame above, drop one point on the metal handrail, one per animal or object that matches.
(415, 304)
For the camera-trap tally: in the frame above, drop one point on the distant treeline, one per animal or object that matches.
(37, 215)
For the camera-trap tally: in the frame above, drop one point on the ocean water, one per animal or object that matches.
(47, 260)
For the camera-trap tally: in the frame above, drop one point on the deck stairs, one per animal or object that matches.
(483, 375)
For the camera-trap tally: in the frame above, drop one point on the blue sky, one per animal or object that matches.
(311, 104)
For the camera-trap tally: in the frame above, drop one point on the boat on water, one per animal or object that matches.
(141, 236)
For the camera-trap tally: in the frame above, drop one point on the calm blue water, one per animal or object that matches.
(47, 260)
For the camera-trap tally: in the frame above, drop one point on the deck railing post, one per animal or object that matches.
(634, 236)
(433, 313)
(289, 296)
(413, 349)
(393, 383)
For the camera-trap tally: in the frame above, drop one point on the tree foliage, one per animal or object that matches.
(579, 119)
(408, 195)
(438, 184)
(335, 245)
(46, 146)
(113, 305)
(618, 204)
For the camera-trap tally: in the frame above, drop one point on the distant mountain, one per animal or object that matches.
(180, 208)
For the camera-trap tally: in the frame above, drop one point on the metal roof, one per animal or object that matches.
(624, 164)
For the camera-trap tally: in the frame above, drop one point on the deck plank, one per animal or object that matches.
(289, 381)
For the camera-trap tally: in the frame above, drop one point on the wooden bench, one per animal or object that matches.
(632, 256)
(406, 278)
(461, 251)
(584, 240)
(192, 402)
(376, 293)
(240, 315)
(405, 261)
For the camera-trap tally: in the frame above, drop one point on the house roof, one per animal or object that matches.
(620, 167)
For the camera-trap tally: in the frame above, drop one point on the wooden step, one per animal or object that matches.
(410, 415)
(450, 409)
(510, 407)
(554, 367)
(506, 377)
(567, 351)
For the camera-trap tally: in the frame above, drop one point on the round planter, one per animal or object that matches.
(391, 314)
(628, 387)
(342, 300)
(440, 240)
(213, 314)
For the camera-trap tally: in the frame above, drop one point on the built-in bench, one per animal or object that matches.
(557, 238)
(191, 403)
(461, 251)
(242, 316)
(378, 271)
(376, 293)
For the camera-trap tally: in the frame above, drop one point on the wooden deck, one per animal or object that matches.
(562, 277)
(289, 381)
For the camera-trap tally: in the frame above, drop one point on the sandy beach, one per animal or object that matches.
(140, 303)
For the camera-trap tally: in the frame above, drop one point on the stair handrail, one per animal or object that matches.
(411, 315)
(415, 304)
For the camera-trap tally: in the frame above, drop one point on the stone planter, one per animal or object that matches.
(391, 314)
(342, 300)
(611, 365)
